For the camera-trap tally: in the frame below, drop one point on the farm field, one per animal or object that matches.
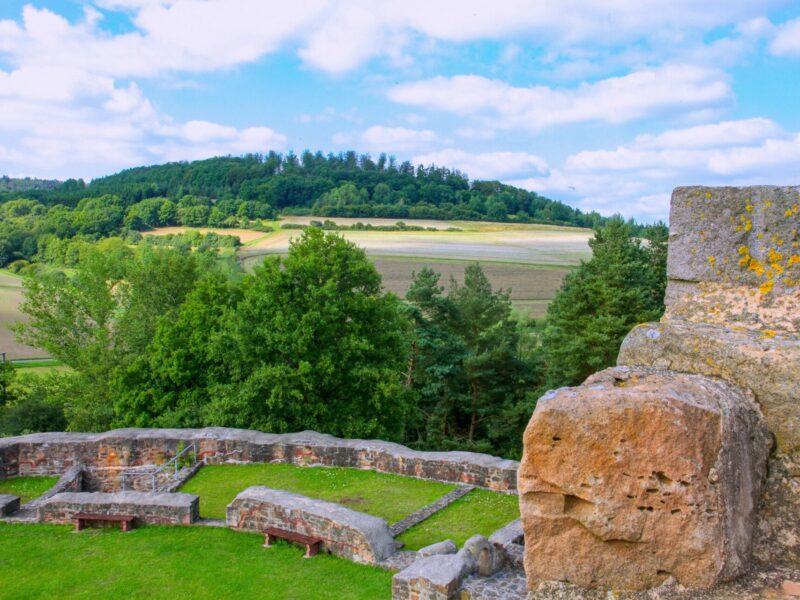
(50, 561)
(531, 260)
(384, 495)
(10, 299)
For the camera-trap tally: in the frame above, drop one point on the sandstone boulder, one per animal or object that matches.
(639, 475)
(767, 363)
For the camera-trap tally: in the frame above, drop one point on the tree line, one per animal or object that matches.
(162, 336)
(344, 185)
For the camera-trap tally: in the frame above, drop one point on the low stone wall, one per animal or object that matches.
(157, 509)
(347, 533)
(54, 453)
(71, 481)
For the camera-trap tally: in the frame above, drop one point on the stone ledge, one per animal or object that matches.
(347, 533)
(764, 363)
(161, 509)
(53, 453)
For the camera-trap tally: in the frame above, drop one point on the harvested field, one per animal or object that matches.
(531, 260)
(532, 286)
(532, 246)
(10, 299)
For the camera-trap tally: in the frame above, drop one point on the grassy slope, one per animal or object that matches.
(49, 561)
(480, 511)
(27, 488)
(390, 497)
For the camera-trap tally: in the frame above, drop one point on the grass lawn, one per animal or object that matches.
(27, 488)
(480, 511)
(50, 561)
(384, 495)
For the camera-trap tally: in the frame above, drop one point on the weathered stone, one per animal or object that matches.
(445, 547)
(767, 364)
(107, 456)
(8, 504)
(435, 577)
(161, 509)
(353, 535)
(510, 534)
(737, 237)
(481, 555)
(639, 475)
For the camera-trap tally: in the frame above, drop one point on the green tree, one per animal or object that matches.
(314, 343)
(102, 318)
(471, 378)
(620, 286)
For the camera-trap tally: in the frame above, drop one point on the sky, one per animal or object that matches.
(606, 105)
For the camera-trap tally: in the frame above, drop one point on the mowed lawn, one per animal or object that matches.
(50, 561)
(480, 511)
(384, 495)
(27, 488)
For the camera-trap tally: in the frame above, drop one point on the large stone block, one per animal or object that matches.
(435, 577)
(741, 238)
(160, 509)
(639, 475)
(353, 535)
(768, 363)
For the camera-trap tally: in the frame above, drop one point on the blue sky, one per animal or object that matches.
(605, 104)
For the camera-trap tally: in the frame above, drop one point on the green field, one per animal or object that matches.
(384, 495)
(50, 561)
(27, 488)
(480, 511)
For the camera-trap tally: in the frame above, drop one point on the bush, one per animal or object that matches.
(30, 416)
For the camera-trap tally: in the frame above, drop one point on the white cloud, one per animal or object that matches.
(616, 100)
(787, 39)
(379, 138)
(486, 165)
(637, 178)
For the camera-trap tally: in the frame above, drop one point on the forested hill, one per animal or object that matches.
(333, 185)
(16, 184)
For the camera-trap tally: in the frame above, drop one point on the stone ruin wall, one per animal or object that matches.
(657, 470)
(106, 456)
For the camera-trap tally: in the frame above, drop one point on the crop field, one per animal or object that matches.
(10, 299)
(531, 260)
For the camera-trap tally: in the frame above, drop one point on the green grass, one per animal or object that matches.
(480, 511)
(49, 561)
(27, 488)
(384, 495)
(36, 364)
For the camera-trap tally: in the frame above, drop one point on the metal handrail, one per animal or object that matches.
(175, 460)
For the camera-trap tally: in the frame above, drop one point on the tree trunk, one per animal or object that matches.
(474, 420)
